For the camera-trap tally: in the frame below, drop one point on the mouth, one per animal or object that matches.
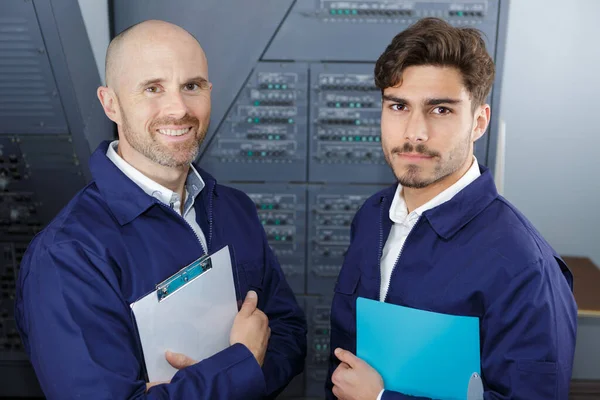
(174, 132)
(413, 156)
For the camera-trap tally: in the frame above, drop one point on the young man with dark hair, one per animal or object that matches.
(443, 239)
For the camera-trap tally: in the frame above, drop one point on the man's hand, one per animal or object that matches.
(354, 379)
(177, 361)
(251, 328)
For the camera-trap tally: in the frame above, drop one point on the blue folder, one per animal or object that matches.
(420, 353)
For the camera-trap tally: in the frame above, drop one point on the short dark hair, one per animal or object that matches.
(432, 41)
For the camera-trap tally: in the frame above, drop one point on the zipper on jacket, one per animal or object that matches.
(187, 223)
(210, 219)
(380, 252)
(387, 289)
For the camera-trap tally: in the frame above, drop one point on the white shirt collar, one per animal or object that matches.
(194, 182)
(399, 211)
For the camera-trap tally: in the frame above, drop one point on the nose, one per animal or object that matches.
(416, 128)
(175, 106)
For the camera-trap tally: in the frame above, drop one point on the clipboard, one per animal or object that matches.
(191, 312)
(418, 352)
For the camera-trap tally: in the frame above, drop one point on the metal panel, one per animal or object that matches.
(264, 135)
(317, 359)
(50, 122)
(359, 30)
(345, 134)
(331, 210)
(282, 211)
(29, 101)
(488, 153)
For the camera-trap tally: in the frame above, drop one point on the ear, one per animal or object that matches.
(109, 101)
(482, 120)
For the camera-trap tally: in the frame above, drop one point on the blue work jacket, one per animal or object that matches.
(110, 246)
(475, 255)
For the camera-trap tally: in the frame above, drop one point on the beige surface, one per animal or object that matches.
(586, 285)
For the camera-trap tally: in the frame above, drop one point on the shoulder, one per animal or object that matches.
(235, 199)
(78, 227)
(511, 239)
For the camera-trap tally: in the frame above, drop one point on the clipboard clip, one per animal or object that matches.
(475, 389)
(183, 277)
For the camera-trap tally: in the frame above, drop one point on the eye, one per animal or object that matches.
(441, 110)
(398, 107)
(152, 89)
(191, 86)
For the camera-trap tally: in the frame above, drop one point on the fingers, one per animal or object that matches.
(346, 357)
(337, 392)
(250, 303)
(339, 374)
(178, 360)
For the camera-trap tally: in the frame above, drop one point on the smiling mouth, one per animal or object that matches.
(174, 132)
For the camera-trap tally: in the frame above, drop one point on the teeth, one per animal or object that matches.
(174, 132)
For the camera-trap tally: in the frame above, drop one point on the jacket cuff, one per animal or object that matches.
(241, 368)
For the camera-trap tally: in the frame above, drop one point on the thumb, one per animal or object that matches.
(346, 357)
(178, 360)
(250, 303)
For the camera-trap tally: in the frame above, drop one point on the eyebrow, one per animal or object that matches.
(428, 102)
(152, 81)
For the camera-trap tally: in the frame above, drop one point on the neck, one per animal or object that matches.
(415, 198)
(172, 178)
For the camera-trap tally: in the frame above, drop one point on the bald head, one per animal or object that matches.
(148, 38)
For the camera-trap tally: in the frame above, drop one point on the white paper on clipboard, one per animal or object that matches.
(195, 319)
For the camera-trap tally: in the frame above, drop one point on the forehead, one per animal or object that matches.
(429, 81)
(170, 59)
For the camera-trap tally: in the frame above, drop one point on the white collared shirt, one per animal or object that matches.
(403, 222)
(193, 186)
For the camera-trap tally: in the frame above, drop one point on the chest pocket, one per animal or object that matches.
(343, 309)
(347, 282)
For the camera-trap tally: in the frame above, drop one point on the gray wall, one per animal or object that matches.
(552, 166)
(551, 81)
(95, 17)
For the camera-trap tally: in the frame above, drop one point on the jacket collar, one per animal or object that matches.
(125, 199)
(449, 217)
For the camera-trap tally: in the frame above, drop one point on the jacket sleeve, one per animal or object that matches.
(80, 337)
(286, 352)
(528, 336)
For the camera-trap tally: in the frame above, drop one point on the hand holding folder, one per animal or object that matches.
(420, 353)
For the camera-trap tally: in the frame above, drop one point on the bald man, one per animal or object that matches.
(148, 212)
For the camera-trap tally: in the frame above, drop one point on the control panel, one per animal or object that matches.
(331, 210)
(345, 134)
(359, 30)
(317, 360)
(263, 138)
(282, 212)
